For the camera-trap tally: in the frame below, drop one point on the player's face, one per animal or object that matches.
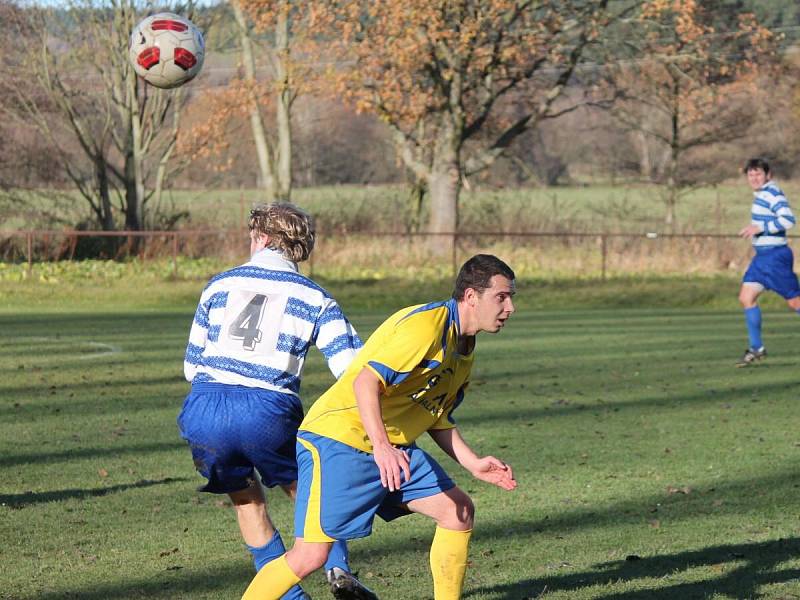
(494, 306)
(757, 178)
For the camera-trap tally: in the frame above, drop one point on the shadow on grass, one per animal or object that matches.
(734, 570)
(173, 582)
(80, 453)
(746, 499)
(59, 324)
(30, 498)
(547, 408)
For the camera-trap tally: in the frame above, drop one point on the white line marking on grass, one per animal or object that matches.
(100, 349)
(110, 350)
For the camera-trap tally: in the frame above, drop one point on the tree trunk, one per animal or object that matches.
(444, 185)
(263, 151)
(674, 154)
(134, 157)
(671, 203)
(283, 189)
(106, 216)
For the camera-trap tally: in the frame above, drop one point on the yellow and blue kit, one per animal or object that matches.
(414, 354)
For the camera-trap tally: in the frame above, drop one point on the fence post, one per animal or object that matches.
(604, 251)
(175, 254)
(30, 253)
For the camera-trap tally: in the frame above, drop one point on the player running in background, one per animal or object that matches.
(248, 342)
(772, 267)
(356, 449)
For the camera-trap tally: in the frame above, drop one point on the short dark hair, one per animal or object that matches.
(477, 274)
(756, 163)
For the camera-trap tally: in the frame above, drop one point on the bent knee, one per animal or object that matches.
(748, 295)
(794, 303)
(460, 515)
(306, 557)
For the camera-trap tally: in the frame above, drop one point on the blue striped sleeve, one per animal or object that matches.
(297, 308)
(194, 354)
(389, 376)
(346, 341)
(201, 316)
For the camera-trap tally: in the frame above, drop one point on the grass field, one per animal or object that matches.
(648, 466)
(624, 207)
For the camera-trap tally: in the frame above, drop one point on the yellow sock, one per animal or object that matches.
(449, 562)
(272, 581)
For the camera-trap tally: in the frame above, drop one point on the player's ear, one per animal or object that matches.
(261, 240)
(470, 296)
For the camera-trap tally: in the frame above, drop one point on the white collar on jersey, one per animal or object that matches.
(273, 259)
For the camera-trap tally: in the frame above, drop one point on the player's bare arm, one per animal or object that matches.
(486, 468)
(391, 461)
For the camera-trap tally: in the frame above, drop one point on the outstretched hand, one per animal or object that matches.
(750, 231)
(495, 471)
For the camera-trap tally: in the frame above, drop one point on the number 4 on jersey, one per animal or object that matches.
(246, 326)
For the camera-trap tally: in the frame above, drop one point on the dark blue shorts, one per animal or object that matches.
(233, 429)
(773, 268)
(339, 489)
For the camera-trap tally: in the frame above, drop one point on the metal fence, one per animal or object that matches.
(381, 253)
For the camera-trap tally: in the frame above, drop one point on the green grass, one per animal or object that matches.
(648, 466)
(624, 207)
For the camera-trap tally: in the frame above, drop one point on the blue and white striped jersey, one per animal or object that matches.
(772, 213)
(254, 325)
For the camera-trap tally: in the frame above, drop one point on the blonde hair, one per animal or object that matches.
(290, 230)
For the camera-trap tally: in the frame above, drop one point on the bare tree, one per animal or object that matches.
(689, 84)
(113, 135)
(443, 76)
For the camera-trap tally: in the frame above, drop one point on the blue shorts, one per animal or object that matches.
(232, 429)
(773, 268)
(339, 489)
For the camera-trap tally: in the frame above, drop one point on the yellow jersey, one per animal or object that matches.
(414, 354)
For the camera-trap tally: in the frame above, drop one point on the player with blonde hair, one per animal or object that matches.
(252, 329)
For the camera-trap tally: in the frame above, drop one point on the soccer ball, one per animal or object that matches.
(166, 50)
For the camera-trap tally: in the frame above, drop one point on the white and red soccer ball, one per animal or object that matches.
(166, 50)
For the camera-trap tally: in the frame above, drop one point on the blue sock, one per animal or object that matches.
(269, 552)
(338, 557)
(752, 317)
(798, 311)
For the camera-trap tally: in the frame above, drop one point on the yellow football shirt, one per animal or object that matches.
(414, 353)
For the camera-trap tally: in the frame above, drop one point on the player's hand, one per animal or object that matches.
(391, 462)
(495, 471)
(750, 231)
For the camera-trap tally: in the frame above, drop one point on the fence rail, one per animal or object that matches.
(597, 253)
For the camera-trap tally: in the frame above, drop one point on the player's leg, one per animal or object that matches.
(454, 514)
(344, 584)
(748, 298)
(789, 284)
(284, 573)
(255, 525)
(266, 426)
(431, 492)
(260, 536)
(339, 492)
